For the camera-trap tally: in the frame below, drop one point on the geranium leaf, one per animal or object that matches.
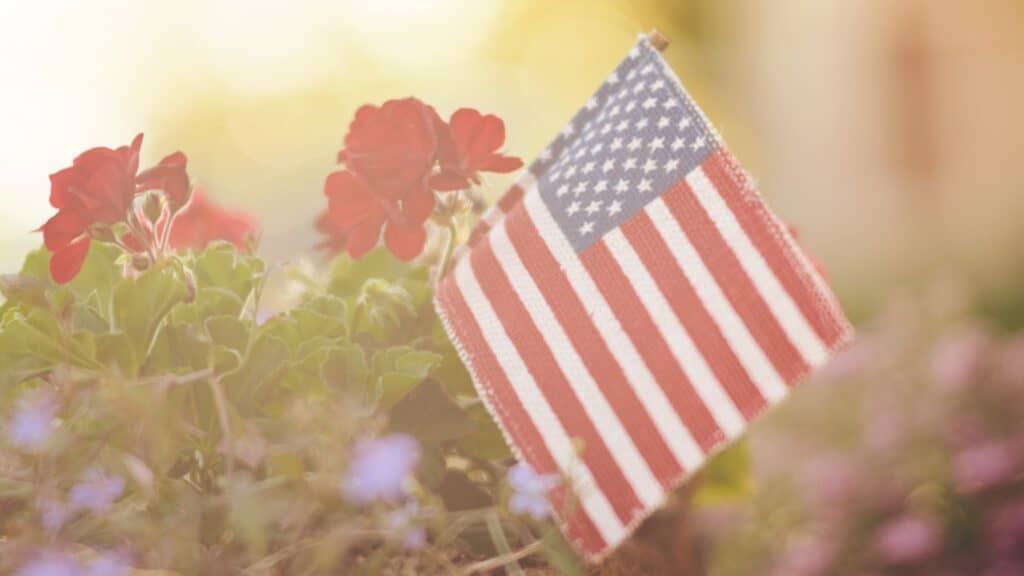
(140, 305)
(727, 477)
(429, 414)
(485, 441)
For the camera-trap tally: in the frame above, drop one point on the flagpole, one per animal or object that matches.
(658, 40)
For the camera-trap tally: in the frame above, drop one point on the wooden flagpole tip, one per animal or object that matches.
(658, 40)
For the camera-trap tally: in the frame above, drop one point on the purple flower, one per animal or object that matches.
(380, 469)
(984, 466)
(530, 491)
(53, 514)
(402, 523)
(96, 491)
(50, 563)
(109, 563)
(907, 540)
(31, 426)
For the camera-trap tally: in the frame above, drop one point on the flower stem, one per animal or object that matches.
(448, 251)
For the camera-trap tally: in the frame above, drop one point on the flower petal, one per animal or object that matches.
(67, 262)
(477, 135)
(405, 242)
(448, 181)
(350, 200)
(364, 236)
(60, 184)
(62, 229)
(418, 205)
(500, 164)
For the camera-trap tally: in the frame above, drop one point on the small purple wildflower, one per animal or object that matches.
(96, 492)
(50, 563)
(109, 563)
(31, 426)
(53, 514)
(529, 491)
(807, 555)
(401, 523)
(907, 540)
(984, 466)
(380, 469)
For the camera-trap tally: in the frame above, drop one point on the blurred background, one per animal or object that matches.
(889, 133)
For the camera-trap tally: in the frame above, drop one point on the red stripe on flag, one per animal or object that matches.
(585, 338)
(734, 281)
(515, 421)
(537, 356)
(628, 308)
(765, 234)
(690, 310)
(511, 198)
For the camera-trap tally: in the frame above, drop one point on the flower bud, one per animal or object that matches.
(140, 262)
(152, 207)
(386, 304)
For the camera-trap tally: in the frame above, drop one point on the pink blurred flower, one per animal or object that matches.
(807, 555)
(53, 514)
(907, 540)
(984, 466)
(1005, 529)
(958, 360)
(380, 469)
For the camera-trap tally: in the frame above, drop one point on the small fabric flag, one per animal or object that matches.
(631, 304)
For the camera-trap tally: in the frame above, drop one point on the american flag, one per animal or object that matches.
(631, 304)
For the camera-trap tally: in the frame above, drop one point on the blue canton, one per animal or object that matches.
(632, 141)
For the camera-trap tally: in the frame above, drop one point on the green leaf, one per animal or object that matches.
(140, 305)
(117, 351)
(345, 368)
(228, 331)
(266, 361)
(24, 290)
(429, 414)
(400, 369)
(727, 477)
(485, 441)
(33, 343)
(560, 554)
(178, 348)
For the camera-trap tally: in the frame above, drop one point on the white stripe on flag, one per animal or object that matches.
(594, 403)
(704, 382)
(593, 501)
(658, 407)
(774, 295)
(749, 354)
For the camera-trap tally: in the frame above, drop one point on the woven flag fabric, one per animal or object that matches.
(631, 304)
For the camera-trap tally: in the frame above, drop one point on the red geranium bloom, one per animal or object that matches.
(475, 139)
(356, 214)
(97, 188)
(203, 221)
(170, 176)
(394, 146)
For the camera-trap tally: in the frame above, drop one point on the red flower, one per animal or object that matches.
(394, 146)
(97, 188)
(170, 176)
(475, 139)
(203, 221)
(356, 214)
